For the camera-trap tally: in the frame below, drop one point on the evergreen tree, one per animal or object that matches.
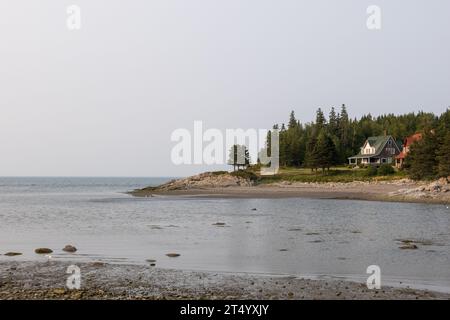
(444, 157)
(324, 152)
(344, 114)
(292, 121)
(239, 156)
(310, 157)
(320, 120)
(333, 122)
(421, 160)
(297, 141)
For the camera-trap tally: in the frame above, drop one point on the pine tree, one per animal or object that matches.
(333, 122)
(292, 121)
(320, 120)
(421, 160)
(324, 151)
(444, 157)
(310, 156)
(239, 156)
(345, 149)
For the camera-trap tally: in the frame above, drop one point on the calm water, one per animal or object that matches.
(322, 238)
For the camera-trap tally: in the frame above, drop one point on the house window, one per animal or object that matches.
(383, 160)
(390, 150)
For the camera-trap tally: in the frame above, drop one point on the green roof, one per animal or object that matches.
(376, 142)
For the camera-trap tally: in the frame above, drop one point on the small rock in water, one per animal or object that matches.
(152, 264)
(173, 255)
(254, 209)
(12, 254)
(283, 249)
(43, 250)
(69, 248)
(409, 246)
(155, 227)
(151, 260)
(219, 224)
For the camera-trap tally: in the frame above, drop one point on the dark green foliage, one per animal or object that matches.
(385, 169)
(443, 156)
(219, 173)
(310, 157)
(298, 141)
(239, 156)
(371, 171)
(320, 119)
(421, 160)
(246, 174)
(324, 152)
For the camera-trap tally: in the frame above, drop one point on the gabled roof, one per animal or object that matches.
(377, 142)
(408, 142)
(411, 139)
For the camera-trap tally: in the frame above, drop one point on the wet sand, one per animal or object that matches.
(47, 280)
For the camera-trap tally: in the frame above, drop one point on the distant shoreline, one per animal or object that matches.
(390, 191)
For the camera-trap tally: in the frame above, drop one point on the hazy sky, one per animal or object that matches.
(103, 100)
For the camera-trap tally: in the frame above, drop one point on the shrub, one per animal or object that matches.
(371, 171)
(218, 173)
(244, 174)
(385, 169)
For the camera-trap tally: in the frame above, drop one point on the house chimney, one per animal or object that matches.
(385, 133)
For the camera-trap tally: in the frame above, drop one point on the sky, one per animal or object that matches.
(103, 100)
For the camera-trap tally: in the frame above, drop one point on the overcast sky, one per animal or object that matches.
(103, 100)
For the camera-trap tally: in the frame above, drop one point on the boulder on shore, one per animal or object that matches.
(173, 255)
(409, 246)
(69, 248)
(436, 190)
(12, 254)
(43, 250)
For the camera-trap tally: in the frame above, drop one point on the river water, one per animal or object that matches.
(302, 237)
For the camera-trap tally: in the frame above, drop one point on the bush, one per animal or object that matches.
(371, 171)
(218, 173)
(244, 174)
(385, 169)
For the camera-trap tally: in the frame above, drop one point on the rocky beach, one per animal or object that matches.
(47, 280)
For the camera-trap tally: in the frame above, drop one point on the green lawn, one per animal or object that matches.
(336, 174)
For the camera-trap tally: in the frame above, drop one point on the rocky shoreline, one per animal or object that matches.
(218, 179)
(47, 280)
(227, 185)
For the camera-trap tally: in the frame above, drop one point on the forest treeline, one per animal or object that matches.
(330, 140)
